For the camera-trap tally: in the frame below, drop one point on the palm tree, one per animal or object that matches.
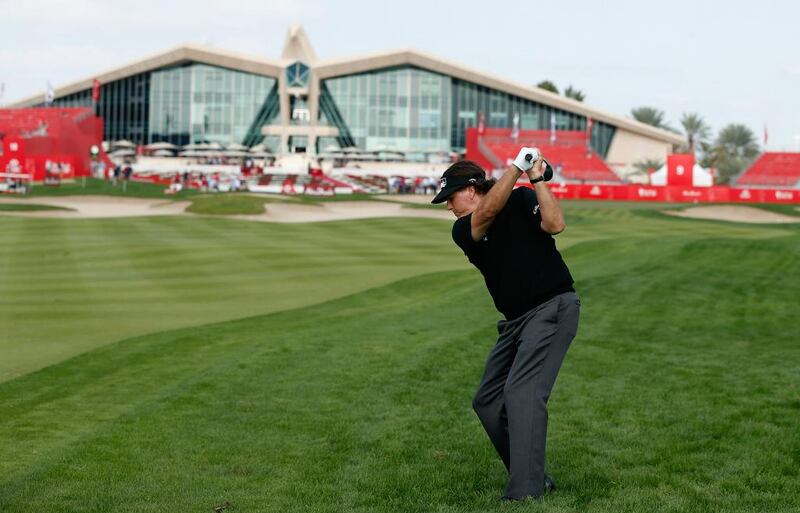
(650, 116)
(547, 86)
(647, 165)
(696, 130)
(734, 149)
(575, 94)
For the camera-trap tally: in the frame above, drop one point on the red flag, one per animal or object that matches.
(95, 90)
(480, 123)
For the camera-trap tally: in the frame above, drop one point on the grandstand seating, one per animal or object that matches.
(291, 183)
(572, 161)
(370, 183)
(773, 169)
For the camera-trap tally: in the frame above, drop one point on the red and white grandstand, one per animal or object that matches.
(572, 158)
(772, 170)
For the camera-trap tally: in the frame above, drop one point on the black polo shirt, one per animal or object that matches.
(518, 260)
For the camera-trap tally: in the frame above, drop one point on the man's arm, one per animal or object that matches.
(494, 200)
(552, 217)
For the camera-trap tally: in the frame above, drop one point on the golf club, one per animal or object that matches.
(548, 169)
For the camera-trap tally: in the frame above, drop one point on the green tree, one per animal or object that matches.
(650, 116)
(734, 149)
(548, 86)
(575, 94)
(696, 130)
(646, 165)
(706, 157)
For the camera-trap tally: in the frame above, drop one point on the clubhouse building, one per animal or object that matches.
(403, 101)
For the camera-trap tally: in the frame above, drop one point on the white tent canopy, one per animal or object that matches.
(701, 177)
(162, 145)
(122, 153)
(197, 146)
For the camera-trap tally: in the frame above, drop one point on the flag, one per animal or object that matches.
(95, 90)
(2, 90)
(49, 94)
(552, 128)
(481, 125)
(589, 123)
(766, 135)
(515, 127)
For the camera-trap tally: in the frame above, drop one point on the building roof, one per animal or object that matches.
(413, 57)
(298, 47)
(173, 57)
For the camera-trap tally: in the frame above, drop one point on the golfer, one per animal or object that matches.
(508, 235)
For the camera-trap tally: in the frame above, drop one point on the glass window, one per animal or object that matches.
(201, 102)
(298, 75)
(403, 109)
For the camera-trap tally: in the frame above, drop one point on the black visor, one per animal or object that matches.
(451, 184)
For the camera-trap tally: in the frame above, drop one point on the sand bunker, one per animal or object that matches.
(96, 207)
(738, 214)
(341, 210)
(424, 199)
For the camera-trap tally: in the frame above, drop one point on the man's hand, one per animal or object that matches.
(522, 163)
(536, 169)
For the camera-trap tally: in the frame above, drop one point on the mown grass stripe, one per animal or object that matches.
(362, 404)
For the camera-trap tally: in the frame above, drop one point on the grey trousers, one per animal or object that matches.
(511, 400)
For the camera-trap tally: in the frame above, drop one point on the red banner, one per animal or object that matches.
(677, 194)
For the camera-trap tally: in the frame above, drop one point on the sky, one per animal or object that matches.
(731, 62)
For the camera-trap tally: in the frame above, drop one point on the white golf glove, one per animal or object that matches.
(522, 164)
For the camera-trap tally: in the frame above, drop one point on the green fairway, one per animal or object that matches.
(73, 285)
(331, 386)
